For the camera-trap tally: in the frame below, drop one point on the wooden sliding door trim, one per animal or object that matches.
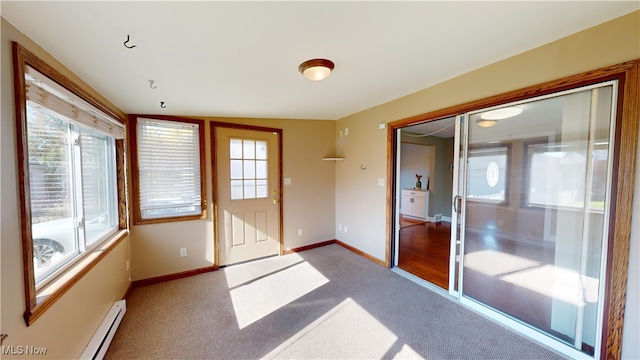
(213, 125)
(626, 135)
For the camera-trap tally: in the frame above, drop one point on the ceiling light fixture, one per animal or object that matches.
(500, 114)
(316, 69)
(486, 123)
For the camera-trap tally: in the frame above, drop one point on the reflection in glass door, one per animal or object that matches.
(535, 202)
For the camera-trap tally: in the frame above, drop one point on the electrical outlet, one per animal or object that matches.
(299, 232)
(380, 181)
(183, 252)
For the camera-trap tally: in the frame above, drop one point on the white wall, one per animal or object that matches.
(415, 159)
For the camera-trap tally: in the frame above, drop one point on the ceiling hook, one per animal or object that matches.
(152, 84)
(127, 46)
(162, 105)
(362, 167)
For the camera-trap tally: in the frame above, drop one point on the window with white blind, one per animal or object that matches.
(169, 163)
(70, 169)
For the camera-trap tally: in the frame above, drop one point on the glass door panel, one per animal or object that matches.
(456, 204)
(536, 198)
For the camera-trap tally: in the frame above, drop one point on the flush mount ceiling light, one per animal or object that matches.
(316, 69)
(486, 123)
(500, 114)
(489, 118)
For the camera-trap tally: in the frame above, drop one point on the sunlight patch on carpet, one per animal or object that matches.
(346, 331)
(268, 289)
(557, 283)
(492, 263)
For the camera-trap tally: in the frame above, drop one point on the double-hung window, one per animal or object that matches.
(72, 174)
(169, 165)
(70, 152)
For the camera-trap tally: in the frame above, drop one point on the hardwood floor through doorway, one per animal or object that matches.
(424, 251)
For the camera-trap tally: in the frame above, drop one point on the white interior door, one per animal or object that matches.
(248, 194)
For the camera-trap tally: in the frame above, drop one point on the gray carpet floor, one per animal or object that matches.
(325, 303)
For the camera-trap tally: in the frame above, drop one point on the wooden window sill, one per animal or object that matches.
(51, 292)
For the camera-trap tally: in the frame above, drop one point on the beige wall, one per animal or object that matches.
(308, 203)
(66, 327)
(361, 205)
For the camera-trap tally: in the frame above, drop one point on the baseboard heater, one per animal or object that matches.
(102, 338)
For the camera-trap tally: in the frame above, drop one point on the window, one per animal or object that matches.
(556, 175)
(487, 175)
(248, 169)
(70, 153)
(169, 161)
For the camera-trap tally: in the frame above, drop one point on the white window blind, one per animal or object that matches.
(56, 101)
(169, 168)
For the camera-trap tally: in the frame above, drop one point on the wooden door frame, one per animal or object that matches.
(213, 125)
(626, 135)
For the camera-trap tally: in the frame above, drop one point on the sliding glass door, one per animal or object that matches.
(532, 199)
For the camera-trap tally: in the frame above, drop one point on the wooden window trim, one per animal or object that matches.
(135, 181)
(627, 119)
(38, 301)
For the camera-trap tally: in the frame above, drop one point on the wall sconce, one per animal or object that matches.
(316, 69)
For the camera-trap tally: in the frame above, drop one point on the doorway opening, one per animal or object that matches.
(424, 176)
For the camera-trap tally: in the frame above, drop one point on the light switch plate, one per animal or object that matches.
(382, 126)
(346, 131)
(287, 181)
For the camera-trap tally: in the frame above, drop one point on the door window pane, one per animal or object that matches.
(249, 175)
(236, 149)
(261, 150)
(249, 149)
(236, 189)
(249, 169)
(236, 169)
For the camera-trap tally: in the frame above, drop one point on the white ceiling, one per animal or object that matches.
(240, 59)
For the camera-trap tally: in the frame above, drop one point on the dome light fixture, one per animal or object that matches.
(490, 118)
(316, 69)
(486, 123)
(500, 114)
